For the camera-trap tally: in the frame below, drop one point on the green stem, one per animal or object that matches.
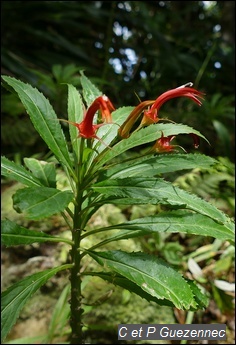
(204, 65)
(188, 321)
(76, 290)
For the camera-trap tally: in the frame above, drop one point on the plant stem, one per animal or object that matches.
(76, 293)
(188, 321)
(76, 297)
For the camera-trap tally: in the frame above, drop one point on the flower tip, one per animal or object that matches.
(189, 84)
(196, 140)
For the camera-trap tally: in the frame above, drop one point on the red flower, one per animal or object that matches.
(151, 115)
(86, 127)
(125, 128)
(195, 140)
(163, 144)
(106, 108)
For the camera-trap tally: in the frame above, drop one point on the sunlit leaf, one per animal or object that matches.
(150, 273)
(125, 283)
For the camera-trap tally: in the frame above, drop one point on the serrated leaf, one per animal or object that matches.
(149, 190)
(45, 172)
(171, 222)
(90, 91)
(200, 297)
(43, 118)
(127, 284)
(159, 164)
(41, 202)
(14, 235)
(18, 172)
(146, 135)
(75, 114)
(16, 296)
(108, 132)
(151, 274)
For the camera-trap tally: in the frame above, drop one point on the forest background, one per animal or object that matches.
(132, 51)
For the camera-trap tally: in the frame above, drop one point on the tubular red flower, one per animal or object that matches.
(150, 108)
(196, 140)
(106, 108)
(125, 128)
(163, 144)
(86, 127)
(151, 116)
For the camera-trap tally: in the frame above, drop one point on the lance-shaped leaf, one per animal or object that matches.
(18, 173)
(43, 118)
(151, 274)
(200, 297)
(171, 222)
(159, 164)
(149, 190)
(45, 172)
(15, 297)
(60, 315)
(144, 136)
(127, 284)
(75, 114)
(13, 234)
(41, 202)
(117, 279)
(90, 91)
(108, 132)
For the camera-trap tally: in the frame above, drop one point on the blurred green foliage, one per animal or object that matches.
(128, 49)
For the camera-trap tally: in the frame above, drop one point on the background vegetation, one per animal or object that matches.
(135, 50)
(129, 49)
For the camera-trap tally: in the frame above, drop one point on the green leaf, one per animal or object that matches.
(75, 114)
(60, 315)
(127, 284)
(45, 172)
(151, 274)
(43, 118)
(149, 190)
(159, 164)
(90, 91)
(19, 173)
(201, 298)
(41, 202)
(108, 132)
(146, 135)
(28, 340)
(171, 222)
(16, 296)
(14, 235)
